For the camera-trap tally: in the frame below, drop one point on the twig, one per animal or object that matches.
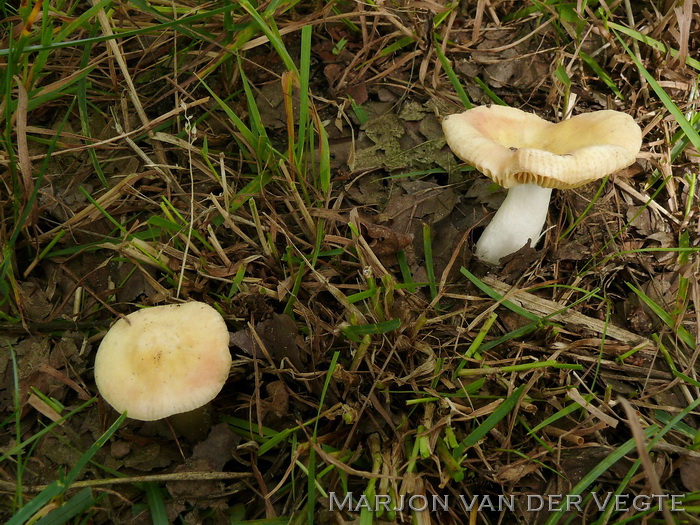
(173, 476)
(545, 307)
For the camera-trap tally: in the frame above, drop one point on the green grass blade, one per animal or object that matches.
(59, 487)
(659, 46)
(522, 367)
(81, 94)
(396, 46)
(479, 432)
(573, 407)
(602, 467)
(89, 453)
(687, 128)
(602, 75)
(37, 503)
(272, 33)
(493, 294)
(473, 350)
(354, 333)
(311, 487)
(429, 267)
(256, 124)
(662, 314)
(304, 95)
(76, 505)
(451, 75)
(406, 271)
(244, 130)
(324, 161)
(181, 24)
(156, 503)
(489, 92)
(652, 432)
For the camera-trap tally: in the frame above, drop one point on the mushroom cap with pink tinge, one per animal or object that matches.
(164, 360)
(514, 147)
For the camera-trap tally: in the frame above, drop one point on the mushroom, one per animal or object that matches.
(165, 360)
(531, 156)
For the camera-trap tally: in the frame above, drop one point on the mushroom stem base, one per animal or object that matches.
(519, 219)
(194, 425)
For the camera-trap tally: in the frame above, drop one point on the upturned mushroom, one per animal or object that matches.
(165, 360)
(531, 156)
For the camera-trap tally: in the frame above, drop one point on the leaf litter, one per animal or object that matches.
(409, 384)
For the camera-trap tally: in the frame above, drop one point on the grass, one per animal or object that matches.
(154, 153)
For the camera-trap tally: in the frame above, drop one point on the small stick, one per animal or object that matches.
(173, 476)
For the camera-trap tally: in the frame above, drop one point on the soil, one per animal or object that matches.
(368, 391)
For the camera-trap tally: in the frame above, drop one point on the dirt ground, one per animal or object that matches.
(305, 189)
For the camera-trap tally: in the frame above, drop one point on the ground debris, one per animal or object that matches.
(278, 336)
(292, 172)
(208, 456)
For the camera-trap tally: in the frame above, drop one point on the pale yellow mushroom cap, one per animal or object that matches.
(164, 360)
(514, 147)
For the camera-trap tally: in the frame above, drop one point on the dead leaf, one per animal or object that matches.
(119, 449)
(413, 111)
(270, 102)
(211, 455)
(424, 202)
(395, 143)
(43, 408)
(644, 220)
(332, 72)
(484, 191)
(32, 355)
(135, 282)
(572, 251)
(277, 334)
(34, 302)
(358, 93)
(515, 264)
(690, 474)
(368, 189)
(383, 240)
(514, 66)
(576, 462)
(218, 447)
(278, 398)
(516, 471)
(149, 457)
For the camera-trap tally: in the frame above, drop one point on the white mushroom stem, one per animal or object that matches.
(519, 219)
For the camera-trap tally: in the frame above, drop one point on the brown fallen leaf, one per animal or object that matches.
(358, 93)
(423, 202)
(34, 302)
(120, 449)
(211, 455)
(150, 456)
(643, 220)
(382, 239)
(279, 336)
(517, 263)
(368, 189)
(218, 447)
(278, 398)
(690, 474)
(516, 471)
(572, 251)
(576, 462)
